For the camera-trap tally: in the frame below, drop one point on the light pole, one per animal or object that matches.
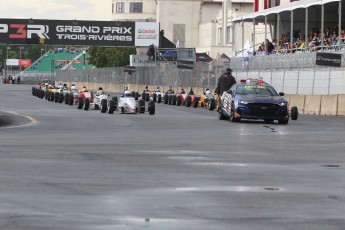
(20, 57)
(6, 68)
(84, 53)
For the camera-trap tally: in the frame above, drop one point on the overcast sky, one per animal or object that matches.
(99, 10)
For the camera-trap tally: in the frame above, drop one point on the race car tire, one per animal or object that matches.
(56, 97)
(86, 104)
(283, 122)
(166, 99)
(52, 96)
(143, 96)
(169, 99)
(159, 98)
(116, 102)
(60, 98)
(232, 117)
(294, 113)
(147, 97)
(141, 104)
(66, 98)
(42, 94)
(221, 115)
(137, 95)
(174, 99)
(104, 106)
(196, 102)
(111, 107)
(71, 99)
(46, 95)
(154, 97)
(33, 91)
(151, 107)
(178, 101)
(80, 102)
(211, 104)
(188, 101)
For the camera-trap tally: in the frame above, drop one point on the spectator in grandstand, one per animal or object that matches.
(269, 47)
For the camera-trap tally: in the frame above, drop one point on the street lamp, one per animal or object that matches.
(84, 53)
(20, 57)
(6, 68)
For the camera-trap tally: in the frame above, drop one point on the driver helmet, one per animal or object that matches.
(46, 84)
(127, 93)
(84, 88)
(73, 87)
(207, 90)
(100, 88)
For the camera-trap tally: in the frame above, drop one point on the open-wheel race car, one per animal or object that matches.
(126, 104)
(182, 98)
(207, 100)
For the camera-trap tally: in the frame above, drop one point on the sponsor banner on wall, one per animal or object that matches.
(328, 59)
(73, 32)
(183, 64)
(18, 62)
(24, 62)
(140, 60)
(146, 34)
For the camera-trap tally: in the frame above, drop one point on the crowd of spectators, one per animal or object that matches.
(311, 43)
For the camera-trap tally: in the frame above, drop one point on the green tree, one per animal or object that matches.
(110, 57)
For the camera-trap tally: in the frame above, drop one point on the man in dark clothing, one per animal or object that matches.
(269, 47)
(225, 81)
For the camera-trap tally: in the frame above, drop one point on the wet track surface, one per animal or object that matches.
(63, 168)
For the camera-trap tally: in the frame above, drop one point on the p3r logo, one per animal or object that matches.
(25, 31)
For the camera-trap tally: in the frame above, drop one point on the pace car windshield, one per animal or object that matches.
(256, 89)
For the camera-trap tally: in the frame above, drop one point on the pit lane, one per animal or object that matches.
(179, 169)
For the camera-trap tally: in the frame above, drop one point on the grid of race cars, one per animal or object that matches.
(248, 99)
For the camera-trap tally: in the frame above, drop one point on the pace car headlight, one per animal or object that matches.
(283, 103)
(243, 102)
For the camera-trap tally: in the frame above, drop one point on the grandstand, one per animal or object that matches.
(60, 59)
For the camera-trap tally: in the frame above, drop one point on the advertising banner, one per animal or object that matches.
(328, 59)
(140, 60)
(183, 64)
(73, 32)
(18, 62)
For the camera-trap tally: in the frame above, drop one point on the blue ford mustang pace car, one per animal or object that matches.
(253, 99)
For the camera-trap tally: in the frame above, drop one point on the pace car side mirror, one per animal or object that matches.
(281, 94)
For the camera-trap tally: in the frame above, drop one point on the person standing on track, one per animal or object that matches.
(225, 81)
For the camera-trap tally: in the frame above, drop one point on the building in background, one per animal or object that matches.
(195, 24)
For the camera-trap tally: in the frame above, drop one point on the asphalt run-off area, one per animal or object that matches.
(67, 169)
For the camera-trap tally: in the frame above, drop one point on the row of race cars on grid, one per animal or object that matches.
(128, 102)
(247, 99)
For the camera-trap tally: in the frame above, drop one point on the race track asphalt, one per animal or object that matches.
(67, 169)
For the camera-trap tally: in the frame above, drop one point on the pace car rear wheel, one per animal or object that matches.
(294, 113)
(221, 115)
